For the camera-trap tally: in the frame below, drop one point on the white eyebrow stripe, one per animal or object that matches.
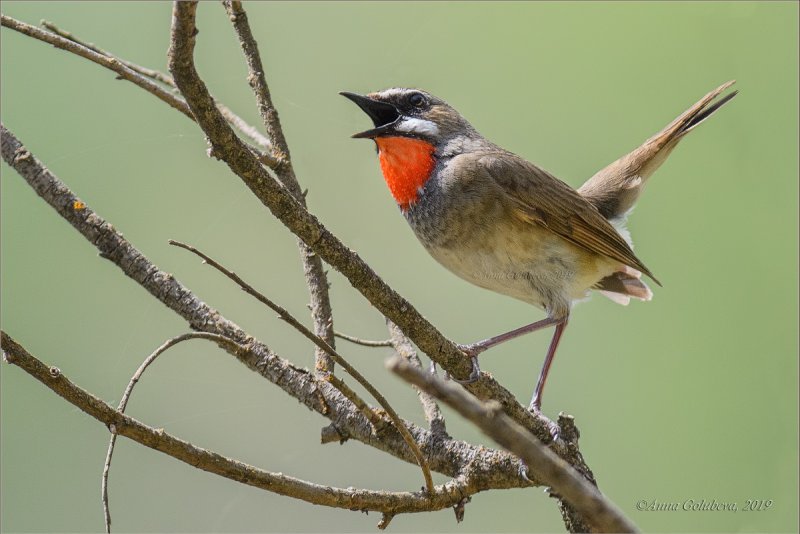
(392, 91)
(420, 126)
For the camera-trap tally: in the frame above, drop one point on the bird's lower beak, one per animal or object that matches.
(383, 115)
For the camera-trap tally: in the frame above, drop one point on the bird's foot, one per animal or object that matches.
(474, 375)
(471, 351)
(552, 426)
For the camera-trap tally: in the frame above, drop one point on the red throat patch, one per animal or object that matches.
(406, 164)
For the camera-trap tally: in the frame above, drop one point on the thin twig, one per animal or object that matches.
(363, 342)
(358, 402)
(546, 465)
(150, 73)
(123, 403)
(442, 497)
(258, 82)
(403, 347)
(322, 344)
(316, 278)
(239, 123)
(109, 62)
(137, 75)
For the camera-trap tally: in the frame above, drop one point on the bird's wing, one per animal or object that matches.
(540, 198)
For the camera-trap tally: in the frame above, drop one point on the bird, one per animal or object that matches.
(505, 224)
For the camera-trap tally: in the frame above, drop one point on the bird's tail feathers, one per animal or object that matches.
(615, 189)
(623, 285)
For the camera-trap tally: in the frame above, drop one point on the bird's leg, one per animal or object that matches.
(474, 349)
(536, 401)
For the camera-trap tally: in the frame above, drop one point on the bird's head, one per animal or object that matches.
(401, 112)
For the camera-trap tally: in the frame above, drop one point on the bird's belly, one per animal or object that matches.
(527, 262)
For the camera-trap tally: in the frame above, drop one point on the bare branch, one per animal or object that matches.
(123, 403)
(323, 345)
(363, 342)
(549, 468)
(258, 82)
(136, 75)
(235, 120)
(443, 496)
(316, 279)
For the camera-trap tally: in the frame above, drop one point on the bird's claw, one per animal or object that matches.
(474, 375)
(552, 426)
(523, 472)
(471, 351)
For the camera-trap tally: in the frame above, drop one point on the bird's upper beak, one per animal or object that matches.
(383, 115)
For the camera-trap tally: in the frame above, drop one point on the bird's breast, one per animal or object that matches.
(406, 164)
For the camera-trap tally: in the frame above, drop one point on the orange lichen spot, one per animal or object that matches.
(78, 205)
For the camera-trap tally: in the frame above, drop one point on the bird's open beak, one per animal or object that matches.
(383, 115)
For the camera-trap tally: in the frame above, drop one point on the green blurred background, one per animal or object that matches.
(691, 396)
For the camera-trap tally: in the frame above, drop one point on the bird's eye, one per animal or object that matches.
(416, 99)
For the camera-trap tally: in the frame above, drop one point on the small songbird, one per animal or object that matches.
(504, 224)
